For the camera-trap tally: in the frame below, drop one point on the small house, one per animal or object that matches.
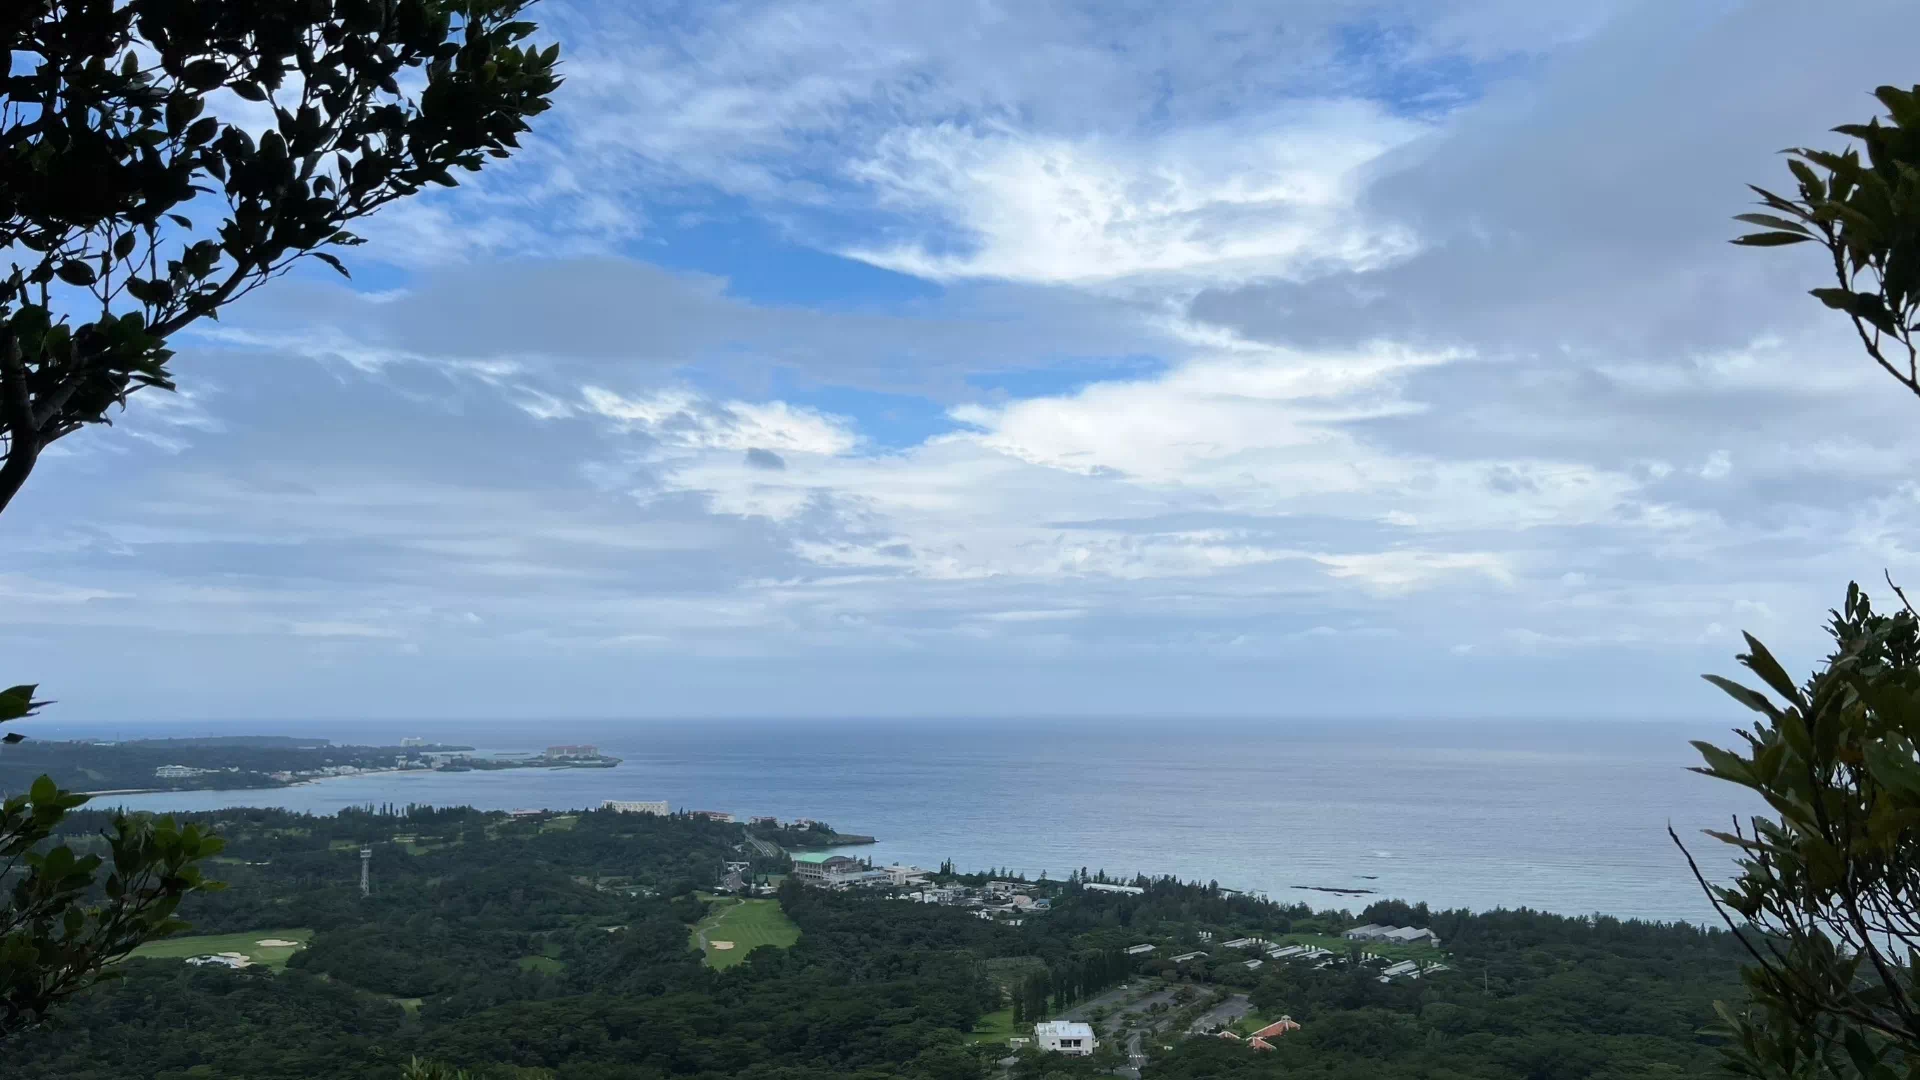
(1064, 1037)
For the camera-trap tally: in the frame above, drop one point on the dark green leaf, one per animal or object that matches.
(75, 272)
(334, 262)
(1771, 239)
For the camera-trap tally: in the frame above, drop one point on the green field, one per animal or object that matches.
(546, 965)
(749, 924)
(563, 823)
(996, 1028)
(179, 948)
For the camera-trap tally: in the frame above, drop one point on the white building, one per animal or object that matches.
(658, 809)
(1140, 950)
(175, 772)
(1101, 886)
(1064, 1037)
(905, 875)
(413, 742)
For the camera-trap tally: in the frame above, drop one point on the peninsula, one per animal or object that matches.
(254, 761)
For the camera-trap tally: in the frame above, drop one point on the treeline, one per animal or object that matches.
(1059, 988)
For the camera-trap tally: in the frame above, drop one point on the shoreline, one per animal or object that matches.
(341, 776)
(277, 787)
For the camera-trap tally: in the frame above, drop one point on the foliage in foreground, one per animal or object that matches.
(1866, 213)
(161, 158)
(60, 923)
(1827, 899)
(1829, 885)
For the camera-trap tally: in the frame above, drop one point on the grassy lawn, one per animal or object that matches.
(749, 924)
(275, 957)
(562, 823)
(544, 964)
(996, 1028)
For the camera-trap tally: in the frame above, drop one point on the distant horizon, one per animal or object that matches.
(317, 727)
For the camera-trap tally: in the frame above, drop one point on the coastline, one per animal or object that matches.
(274, 787)
(517, 766)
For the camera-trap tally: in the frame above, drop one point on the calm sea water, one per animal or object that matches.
(1563, 817)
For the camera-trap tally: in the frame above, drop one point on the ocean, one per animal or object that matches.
(1563, 817)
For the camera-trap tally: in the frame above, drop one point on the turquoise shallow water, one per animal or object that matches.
(1563, 817)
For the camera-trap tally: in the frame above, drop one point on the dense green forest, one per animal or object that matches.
(564, 947)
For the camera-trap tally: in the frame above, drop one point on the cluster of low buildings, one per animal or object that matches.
(660, 807)
(1393, 935)
(1313, 954)
(1409, 969)
(657, 808)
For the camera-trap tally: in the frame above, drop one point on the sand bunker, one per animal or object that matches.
(721, 945)
(277, 943)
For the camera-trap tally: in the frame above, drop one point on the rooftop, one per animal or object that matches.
(1064, 1029)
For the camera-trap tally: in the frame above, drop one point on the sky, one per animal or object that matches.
(990, 359)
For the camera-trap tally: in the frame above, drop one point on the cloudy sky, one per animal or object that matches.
(988, 358)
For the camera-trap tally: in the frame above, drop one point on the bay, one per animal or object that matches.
(1564, 817)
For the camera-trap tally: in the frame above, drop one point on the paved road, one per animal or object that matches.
(1222, 1014)
(765, 847)
(1135, 1004)
(1112, 999)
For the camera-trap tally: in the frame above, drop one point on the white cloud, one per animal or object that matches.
(1401, 571)
(1078, 486)
(1272, 196)
(683, 420)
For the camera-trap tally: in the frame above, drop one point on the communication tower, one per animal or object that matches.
(366, 881)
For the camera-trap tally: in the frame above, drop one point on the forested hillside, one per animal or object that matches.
(565, 947)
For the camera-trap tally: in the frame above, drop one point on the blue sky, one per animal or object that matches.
(895, 359)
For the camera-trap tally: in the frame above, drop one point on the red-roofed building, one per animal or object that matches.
(1259, 1043)
(1229, 1035)
(1277, 1028)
